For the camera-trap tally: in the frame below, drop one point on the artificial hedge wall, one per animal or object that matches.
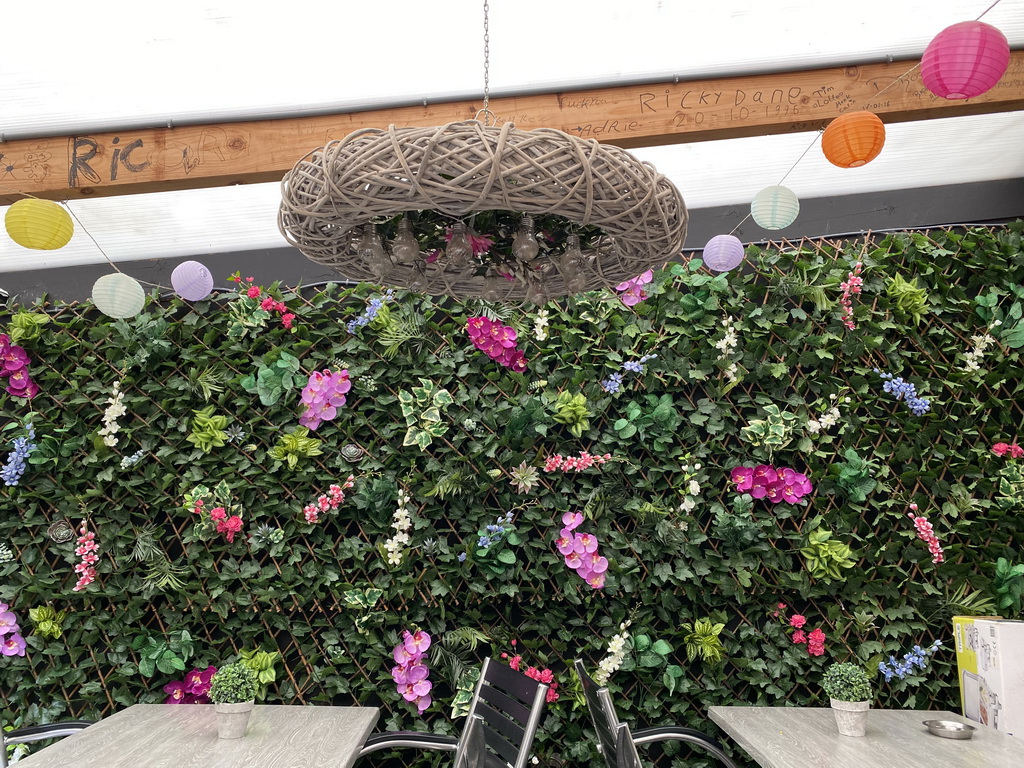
(697, 569)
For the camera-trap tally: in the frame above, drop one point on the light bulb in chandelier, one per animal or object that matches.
(535, 291)
(572, 258)
(493, 287)
(405, 248)
(418, 283)
(525, 245)
(371, 251)
(459, 250)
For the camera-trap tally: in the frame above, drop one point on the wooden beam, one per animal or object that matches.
(629, 116)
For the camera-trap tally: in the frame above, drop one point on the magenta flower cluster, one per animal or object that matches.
(776, 485)
(632, 291)
(497, 341)
(194, 689)
(87, 549)
(411, 673)
(322, 396)
(11, 641)
(14, 367)
(580, 551)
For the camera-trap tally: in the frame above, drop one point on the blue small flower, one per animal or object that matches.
(462, 557)
(613, 383)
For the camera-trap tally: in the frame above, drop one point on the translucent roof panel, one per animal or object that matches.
(212, 60)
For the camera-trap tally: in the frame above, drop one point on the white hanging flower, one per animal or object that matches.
(540, 325)
(401, 521)
(613, 659)
(115, 409)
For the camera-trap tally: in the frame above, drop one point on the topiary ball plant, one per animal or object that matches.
(846, 682)
(233, 684)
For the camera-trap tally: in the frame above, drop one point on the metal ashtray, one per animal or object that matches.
(950, 729)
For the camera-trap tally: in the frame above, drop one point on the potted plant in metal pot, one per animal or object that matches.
(849, 688)
(233, 692)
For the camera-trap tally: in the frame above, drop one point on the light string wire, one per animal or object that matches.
(820, 132)
(67, 206)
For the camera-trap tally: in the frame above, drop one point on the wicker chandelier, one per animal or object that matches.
(475, 210)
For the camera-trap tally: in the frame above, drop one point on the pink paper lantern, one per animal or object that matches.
(965, 60)
(192, 281)
(723, 252)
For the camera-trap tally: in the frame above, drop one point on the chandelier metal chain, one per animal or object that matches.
(487, 61)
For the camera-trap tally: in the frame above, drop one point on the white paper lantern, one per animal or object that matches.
(723, 252)
(192, 281)
(117, 295)
(775, 207)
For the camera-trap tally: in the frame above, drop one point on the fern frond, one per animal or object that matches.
(465, 637)
(403, 327)
(206, 382)
(447, 486)
(145, 546)
(976, 603)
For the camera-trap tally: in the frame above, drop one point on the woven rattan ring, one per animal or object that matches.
(464, 167)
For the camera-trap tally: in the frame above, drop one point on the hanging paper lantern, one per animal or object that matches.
(192, 281)
(853, 139)
(965, 60)
(117, 295)
(723, 252)
(40, 224)
(775, 207)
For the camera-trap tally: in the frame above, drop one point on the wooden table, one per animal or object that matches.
(185, 736)
(799, 737)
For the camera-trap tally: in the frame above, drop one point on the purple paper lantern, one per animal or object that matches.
(965, 60)
(192, 281)
(723, 252)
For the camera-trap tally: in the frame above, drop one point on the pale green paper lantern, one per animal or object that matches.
(117, 295)
(775, 207)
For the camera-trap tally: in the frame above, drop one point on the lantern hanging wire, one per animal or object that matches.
(472, 209)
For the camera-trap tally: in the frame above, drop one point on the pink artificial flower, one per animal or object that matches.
(744, 478)
(797, 621)
(566, 542)
(197, 682)
(230, 527)
(586, 543)
(781, 606)
(13, 645)
(267, 303)
(1016, 451)
(1000, 449)
(596, 581)
(764, 474)
(597, 563)
(287, 319)
(176, 693)
(253, 292)
(799, 636)
(8, 623)
(416, 642)
(572, 520)
(218, 513)
(574, 560)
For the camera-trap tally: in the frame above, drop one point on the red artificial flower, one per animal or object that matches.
(797, 621)
(799, 636)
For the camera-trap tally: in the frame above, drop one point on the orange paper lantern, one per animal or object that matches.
(853, 139)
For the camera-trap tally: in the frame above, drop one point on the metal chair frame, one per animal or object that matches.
(34, 733)
(508, 705)
(618, 744)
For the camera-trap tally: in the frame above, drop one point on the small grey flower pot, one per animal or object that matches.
(233, 719)
(851, 716)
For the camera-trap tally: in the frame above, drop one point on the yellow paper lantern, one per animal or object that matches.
(117, 295)
(853, 139)
(39, 224)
